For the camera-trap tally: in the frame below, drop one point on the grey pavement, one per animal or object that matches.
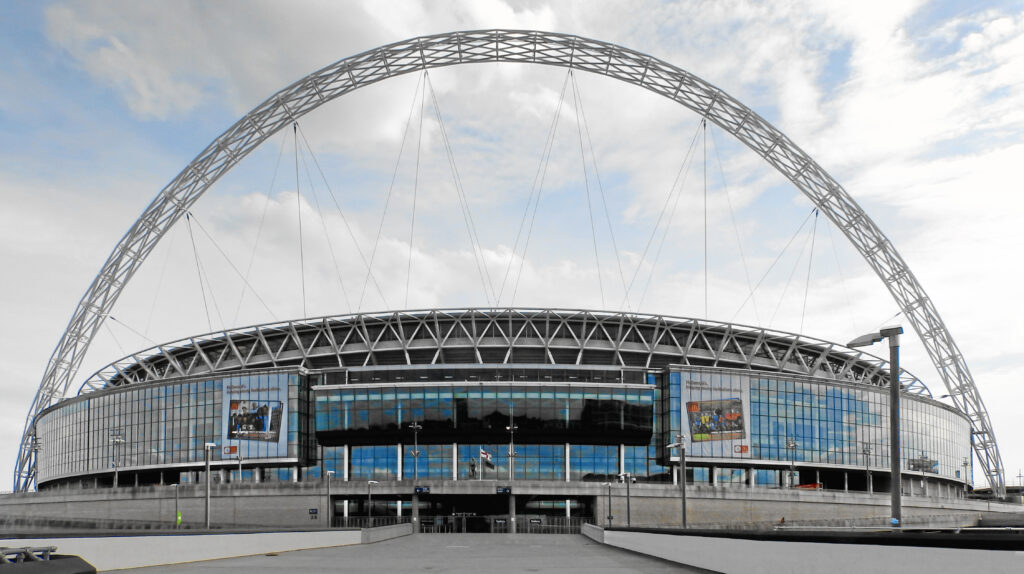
(456, 553)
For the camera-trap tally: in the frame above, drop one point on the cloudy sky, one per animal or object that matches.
(915, 107)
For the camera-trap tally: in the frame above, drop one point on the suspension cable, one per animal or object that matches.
(127, 326)
(735, 227)
(323, 225)
(387, 198)
(657, 224)
(586, 183)
(344, 219)
(259, 233)
(687, 163)
(233, 268)
(160, 281)
(535, 188)
(704, 129)
(796, 264)
(199, 273)
(810, 260)
(298, 203)
(772, 266)
(600, 187)
(415, 188)
(467, 215)
(842, 278)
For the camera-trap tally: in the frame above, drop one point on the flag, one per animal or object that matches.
(485, 458)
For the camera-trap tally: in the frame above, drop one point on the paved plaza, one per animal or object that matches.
(455, 553)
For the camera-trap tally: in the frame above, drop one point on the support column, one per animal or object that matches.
(846, 481)
(512, 513)
(567, 468)
(568, 508)
(344, 462)
(751, 477)
(714, 475)
(401, 457)
(622, 458)
(455, 461)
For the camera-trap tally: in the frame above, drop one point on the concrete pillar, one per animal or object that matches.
(512, 513)
(622, 458)
(401, 457)
(567, 469)
(344, 508)
(751, 477)
(714, 475)
(344, 459)
(455, 461)
(846, 481)
(568, 508)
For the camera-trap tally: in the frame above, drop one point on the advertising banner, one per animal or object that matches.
(716, 420)
(255, 417)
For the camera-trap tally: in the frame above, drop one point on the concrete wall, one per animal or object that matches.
(117, 552)
(273, 505)
(772, 557)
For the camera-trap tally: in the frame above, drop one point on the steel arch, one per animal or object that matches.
(534, 47)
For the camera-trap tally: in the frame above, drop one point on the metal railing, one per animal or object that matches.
(26, 554)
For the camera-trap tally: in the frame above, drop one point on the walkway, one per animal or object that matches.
(455, 553)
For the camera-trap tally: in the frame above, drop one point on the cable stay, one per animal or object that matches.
(127, 326)
(772, 266)
(298, 210)
(735, 227)
(387, 198)
(160, 281)
(259, 234)
(685, 172)
(485, 277)
(600, 187)
(116, 341)
(535, 190)
(199, 270)
(230, 264)
(344, 220)
(586, 183)
(796, 264)
(704, 137)
(661, 215)
(323, 225)
(810, 261)
(842, 278)
(415, 188)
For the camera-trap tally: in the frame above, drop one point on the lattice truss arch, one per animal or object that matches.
(546, 48)
(499, 336)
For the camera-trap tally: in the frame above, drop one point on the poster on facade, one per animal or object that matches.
(255, 417)
(720, 419)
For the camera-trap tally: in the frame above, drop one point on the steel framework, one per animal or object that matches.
(562, 50)
(499, 336)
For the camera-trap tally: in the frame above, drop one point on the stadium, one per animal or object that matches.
(477, 416)
(578, 397)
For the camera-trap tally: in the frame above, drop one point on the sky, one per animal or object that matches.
(913, 106)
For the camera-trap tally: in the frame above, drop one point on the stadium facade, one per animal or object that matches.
(578, 396)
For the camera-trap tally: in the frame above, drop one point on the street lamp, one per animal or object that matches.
(206, 452)
(681, 445)
(330, 505)
(893, 334)
(511, 428)
(791, 447)
(416, 428)
(867, 468)
(966, 463)
(628, 478)
(369, 501)
(116, 440)
(609, 485)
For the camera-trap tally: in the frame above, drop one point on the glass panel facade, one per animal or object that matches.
(158, 425)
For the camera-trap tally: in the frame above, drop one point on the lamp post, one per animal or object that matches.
(681, 445)
(628, 478)
(609, 485)
(330, 505)
(177, 512)
(116, 440)
(966, 463)
(240, 468)
(416, 428)
(206, 452)
(791, 447)
(369, 501)
(511, 428)
(867, 468)
(896, 482)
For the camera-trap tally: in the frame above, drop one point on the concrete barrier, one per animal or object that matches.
(780, 557)
(117, 552)
(380, 533)
(595, 533)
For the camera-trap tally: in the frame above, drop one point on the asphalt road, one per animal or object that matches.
(455, 553)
